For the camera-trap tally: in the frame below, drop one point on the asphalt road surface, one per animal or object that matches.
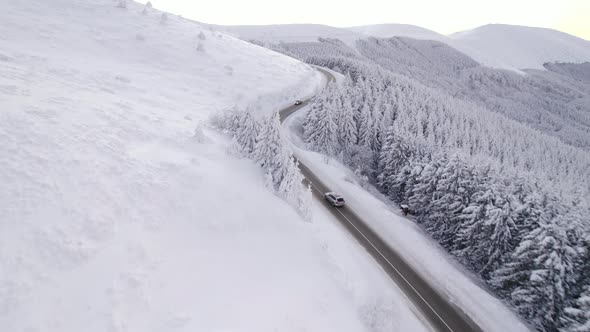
(440, 313)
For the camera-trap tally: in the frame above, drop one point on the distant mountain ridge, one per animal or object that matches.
(494, 45)
(512, 46)
(398, 30)
(289, 32)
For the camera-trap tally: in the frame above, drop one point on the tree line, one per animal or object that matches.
(262, 141)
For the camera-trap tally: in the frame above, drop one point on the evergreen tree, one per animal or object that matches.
(310, 121)
(424, 192)
(365, 125)
(322, 135)
(290, 186)
(455, 188)
(487, 234)
(577, 317)
(544, 287)
(347, 131)
(305, 199)
(247, 132)
(387, 168)
(269, 148)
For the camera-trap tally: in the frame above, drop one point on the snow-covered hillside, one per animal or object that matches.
(116, 216)
(398, 30)
(495, 45)
(520, 47)
(498, 45)
(290, 33)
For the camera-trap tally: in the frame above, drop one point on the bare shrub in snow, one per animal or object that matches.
(202, 36)
(200, 47)
(122, 3)
(256, 42)
(164, 18)
(199, 136)
(304, 201)
(148, 5)
(229, 70)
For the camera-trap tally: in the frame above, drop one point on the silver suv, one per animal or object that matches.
(335, 199)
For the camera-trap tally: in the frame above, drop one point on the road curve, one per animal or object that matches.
(440, 313)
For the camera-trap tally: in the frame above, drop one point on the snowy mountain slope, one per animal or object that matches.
(115, 216)
(552, 100)
(290, 32)
(499, 46)
(398, 30)
(520, 47)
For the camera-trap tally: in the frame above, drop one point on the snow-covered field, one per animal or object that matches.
(115, 216)
(407, 238)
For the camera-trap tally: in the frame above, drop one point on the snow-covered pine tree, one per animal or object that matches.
(386, 167)
(347, 131)
(544, 288)
(234, 119)
(310, 121)
(290, 186)
(583, 262)
(281, 162)
(424, 192)
(577, 317)
(412, 180)
(268, 181)
(365, 126)
(122, 3)
(502, 230)
(304, 201)
(488, 232)
(247, 132)
(528, 208)
(269, 147)
(385, 122)
(397, 191)
(323, 135)
(455, 188)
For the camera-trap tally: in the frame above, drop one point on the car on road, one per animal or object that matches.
(298, 102)
(335, 199)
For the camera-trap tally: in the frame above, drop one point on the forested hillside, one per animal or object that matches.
(554, 104)
(494, 164)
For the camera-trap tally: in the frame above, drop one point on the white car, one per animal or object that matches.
(298, 102)
(335, 199)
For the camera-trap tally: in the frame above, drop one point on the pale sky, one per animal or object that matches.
(443, 16)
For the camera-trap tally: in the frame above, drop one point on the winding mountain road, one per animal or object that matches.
(441, 314)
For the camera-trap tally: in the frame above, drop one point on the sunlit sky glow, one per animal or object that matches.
(443, 16)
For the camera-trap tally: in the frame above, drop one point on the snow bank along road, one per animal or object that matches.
(441, 314)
